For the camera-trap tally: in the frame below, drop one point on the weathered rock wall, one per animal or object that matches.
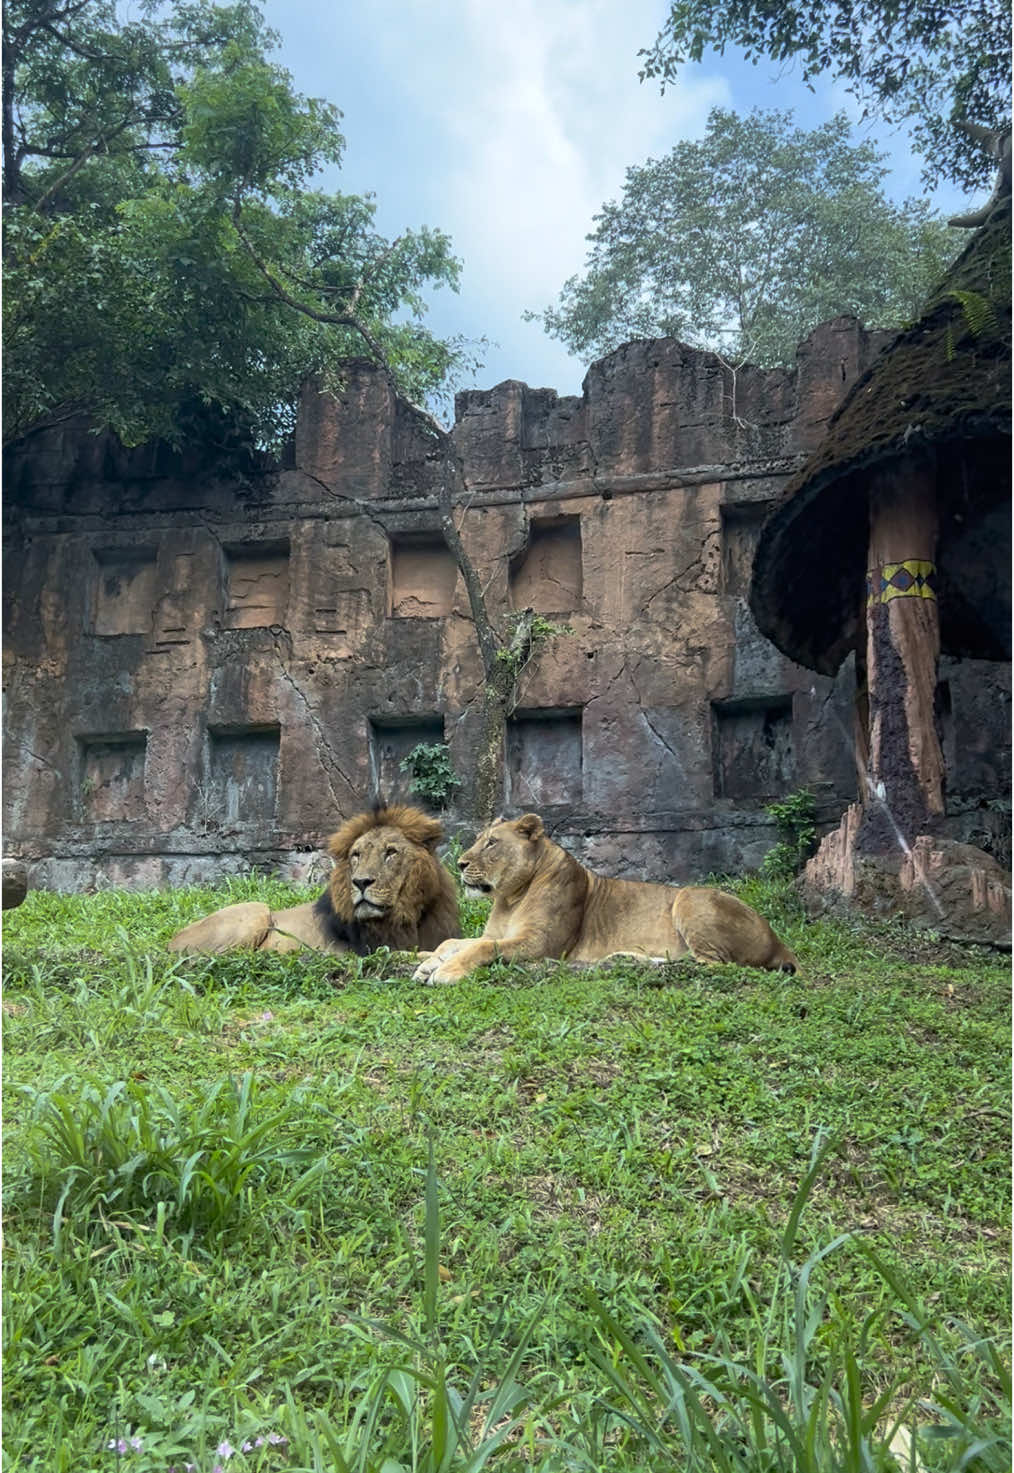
(206, 670)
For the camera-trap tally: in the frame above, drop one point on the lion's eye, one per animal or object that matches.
(354, 856)
(490, 844)
(390, 853)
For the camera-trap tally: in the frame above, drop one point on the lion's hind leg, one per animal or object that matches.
(298, 927)
(719, 929)
(242, 926)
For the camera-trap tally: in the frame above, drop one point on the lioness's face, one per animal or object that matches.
(382, 863)
(503, 857)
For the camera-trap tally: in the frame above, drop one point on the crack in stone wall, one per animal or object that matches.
(324, 753)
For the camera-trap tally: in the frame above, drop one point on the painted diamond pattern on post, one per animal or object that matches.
(913, 578)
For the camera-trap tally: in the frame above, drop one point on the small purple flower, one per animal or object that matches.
(276, 1439)
(118, 1445)
(267, 1016)
(137, 1444)
(225, 1449)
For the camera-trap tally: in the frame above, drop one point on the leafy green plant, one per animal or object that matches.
(527, 633)
(132, 1149)
(433, 775)
(473, 909)
(978, 313)
(796, 821)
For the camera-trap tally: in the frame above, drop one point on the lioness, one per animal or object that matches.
(547, 904)
(387, 888)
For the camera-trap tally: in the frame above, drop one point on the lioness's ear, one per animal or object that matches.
(529, 825)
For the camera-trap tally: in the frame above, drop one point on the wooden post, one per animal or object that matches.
(906, 767)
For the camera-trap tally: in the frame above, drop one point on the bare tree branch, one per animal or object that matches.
(102, 141)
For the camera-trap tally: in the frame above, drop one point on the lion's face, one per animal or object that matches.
(384, 873)
(503, 858)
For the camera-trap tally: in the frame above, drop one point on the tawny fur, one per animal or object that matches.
(546, 904)
(412, 898)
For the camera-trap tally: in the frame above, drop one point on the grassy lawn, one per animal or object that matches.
(548, 1217)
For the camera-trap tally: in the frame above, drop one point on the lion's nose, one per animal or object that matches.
(363, 885)
(463, 863)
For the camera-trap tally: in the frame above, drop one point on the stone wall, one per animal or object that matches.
(206, 670)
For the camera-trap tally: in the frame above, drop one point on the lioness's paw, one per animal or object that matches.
(446, 971)
(446, 964)
(429, 964)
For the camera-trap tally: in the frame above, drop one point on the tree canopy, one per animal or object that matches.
(930, 63)
(744, 241)
(164, 246)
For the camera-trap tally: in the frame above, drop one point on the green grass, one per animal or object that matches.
(619, 1217)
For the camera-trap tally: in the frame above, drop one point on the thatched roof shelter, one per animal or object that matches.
(939, 394)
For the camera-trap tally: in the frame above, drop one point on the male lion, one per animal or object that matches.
(387, 888)
(547, 904)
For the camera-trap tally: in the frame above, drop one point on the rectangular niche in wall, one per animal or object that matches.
(752, 750)
(256, 584)
(741, 529)
(391, 740)
(547, 576)
(111, 777)
(544, 758)
(125, 589)
(242, 774)
(346, 613)
(423, 577)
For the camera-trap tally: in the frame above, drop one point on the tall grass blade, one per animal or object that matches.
(431, 1245)
(821, 1149)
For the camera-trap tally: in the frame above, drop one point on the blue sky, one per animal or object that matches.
(508, 125)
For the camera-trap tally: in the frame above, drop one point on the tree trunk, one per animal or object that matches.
(906, 768)
(489, 767)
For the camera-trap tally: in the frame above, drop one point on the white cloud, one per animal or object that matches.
(531, 114)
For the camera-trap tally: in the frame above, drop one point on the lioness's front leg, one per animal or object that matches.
(454, 959)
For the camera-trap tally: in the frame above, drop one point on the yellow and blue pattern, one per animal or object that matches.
(913, 578)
